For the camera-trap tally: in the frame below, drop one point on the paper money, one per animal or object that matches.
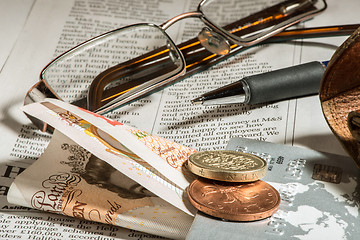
(67, 179)
(73, 184)
(153, 162)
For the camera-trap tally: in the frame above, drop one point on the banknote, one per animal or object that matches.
(69, 180)
(101, 170)
(154, 162)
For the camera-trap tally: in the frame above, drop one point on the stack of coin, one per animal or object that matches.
(230, 187)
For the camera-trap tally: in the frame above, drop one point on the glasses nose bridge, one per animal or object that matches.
(171, 21)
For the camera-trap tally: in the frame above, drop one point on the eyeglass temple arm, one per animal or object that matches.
(316, 32)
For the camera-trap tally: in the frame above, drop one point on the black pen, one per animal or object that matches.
(291, 82)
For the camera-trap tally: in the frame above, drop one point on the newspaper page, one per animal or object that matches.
(54, 26)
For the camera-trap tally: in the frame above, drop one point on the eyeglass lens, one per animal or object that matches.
(246, 19)
(117, 53)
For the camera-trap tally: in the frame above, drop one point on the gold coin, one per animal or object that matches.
(229, 166)
(234, 201)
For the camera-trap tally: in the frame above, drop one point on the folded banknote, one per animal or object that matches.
(101, 170)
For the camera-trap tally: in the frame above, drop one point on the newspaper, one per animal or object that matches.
(42, 29)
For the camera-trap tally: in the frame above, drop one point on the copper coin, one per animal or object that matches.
(229, 166)
(234, 201)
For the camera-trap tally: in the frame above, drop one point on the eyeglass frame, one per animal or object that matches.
(42, 90)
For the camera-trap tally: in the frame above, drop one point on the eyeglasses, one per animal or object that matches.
(122, 65)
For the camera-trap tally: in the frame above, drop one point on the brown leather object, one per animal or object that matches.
(340, 93)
